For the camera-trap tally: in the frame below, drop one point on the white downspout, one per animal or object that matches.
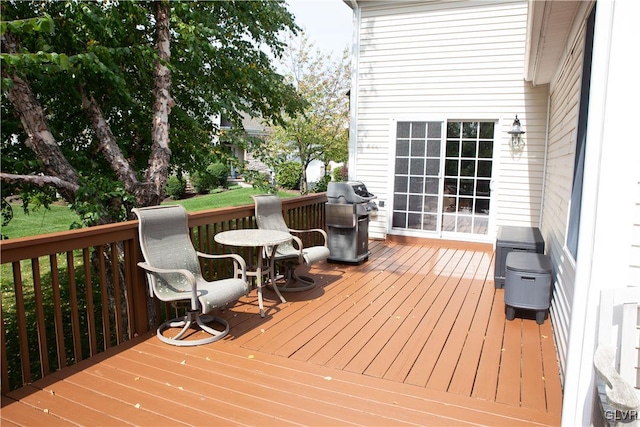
(353, 99)
(544, 165)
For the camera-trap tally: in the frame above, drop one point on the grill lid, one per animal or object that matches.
(348, 192)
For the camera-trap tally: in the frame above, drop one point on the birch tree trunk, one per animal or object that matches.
(157, 173)
(39, 137)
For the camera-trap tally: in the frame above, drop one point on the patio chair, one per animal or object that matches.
(616, 357)
(290, 255)
(173, 274)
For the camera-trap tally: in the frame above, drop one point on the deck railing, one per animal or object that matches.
(70, 295)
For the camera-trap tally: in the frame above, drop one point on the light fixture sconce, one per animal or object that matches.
(516, 133)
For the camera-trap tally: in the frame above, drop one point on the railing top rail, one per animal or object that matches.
(12, 250)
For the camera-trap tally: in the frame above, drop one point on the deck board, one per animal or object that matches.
(417, 335)
(465, 373)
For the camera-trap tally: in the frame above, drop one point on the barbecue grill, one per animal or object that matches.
(348, 209)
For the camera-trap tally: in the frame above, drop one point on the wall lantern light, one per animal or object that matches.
(516, 133)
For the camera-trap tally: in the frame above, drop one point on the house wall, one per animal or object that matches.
(564, 99)
(448, 60)
(609, 230)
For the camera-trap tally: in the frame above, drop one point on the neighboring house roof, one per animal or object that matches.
(253, 126)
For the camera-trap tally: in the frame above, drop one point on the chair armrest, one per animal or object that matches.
(189, 275)
(239, 265)
(312, 230)
(620, 394)
(186, 273)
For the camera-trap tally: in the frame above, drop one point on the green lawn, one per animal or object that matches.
(39, 221)
(60, 218)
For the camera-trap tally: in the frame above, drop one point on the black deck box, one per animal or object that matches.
(515, 239)
(528, 284)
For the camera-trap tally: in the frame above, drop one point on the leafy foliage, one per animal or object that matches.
(321, 132)
(69, 50)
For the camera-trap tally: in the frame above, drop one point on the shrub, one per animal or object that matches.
(339, 173)
(260, 181)
(321, 185)
(214, 176)
(289, 175)
(176, 188)
(219, 173)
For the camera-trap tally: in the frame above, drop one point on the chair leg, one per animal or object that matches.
(295, 283)
(191, 319)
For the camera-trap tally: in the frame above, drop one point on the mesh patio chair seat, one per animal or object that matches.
(290, 255)
(173, 274)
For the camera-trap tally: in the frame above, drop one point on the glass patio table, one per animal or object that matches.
(266, 241)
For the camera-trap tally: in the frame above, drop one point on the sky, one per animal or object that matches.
(328, 23)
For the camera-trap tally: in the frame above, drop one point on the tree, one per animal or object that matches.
(106, 99)
(321, 132)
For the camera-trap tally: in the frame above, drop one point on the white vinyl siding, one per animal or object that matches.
(458, 61)
(563, 122)
(634, 254)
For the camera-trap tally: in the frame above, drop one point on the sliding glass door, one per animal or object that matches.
(442, 177)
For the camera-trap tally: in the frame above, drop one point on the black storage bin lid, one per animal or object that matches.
(528, 262)
(521, 237)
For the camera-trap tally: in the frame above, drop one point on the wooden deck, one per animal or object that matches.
(417, 335)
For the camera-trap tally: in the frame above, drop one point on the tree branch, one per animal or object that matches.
(40, 181)
(107, 144)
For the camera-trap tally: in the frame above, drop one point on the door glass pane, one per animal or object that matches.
(484, 168)
(453, 148)
(403, 130)
(467, 183)
(463, 224)
(417, 173)
(402, 147)
(402, 165)
(431, 186)
(416, 184)
(418, 130)
(451, 167)
(430, 222)
(415, 203)
(483, 187)
(433, 167)
(435, 131)
(468, 168)
(469, 130)
(485, 149)
(418, 148)
(399, 219)
(486, 130)
(431, 203)
(433, 148)
(448, 222)
(400, 202)
(414, 221)
(482, 206)
(453, 130)
(468, 149)
(401, 183)
(481, 225)
(466, 187)
(417, 167)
